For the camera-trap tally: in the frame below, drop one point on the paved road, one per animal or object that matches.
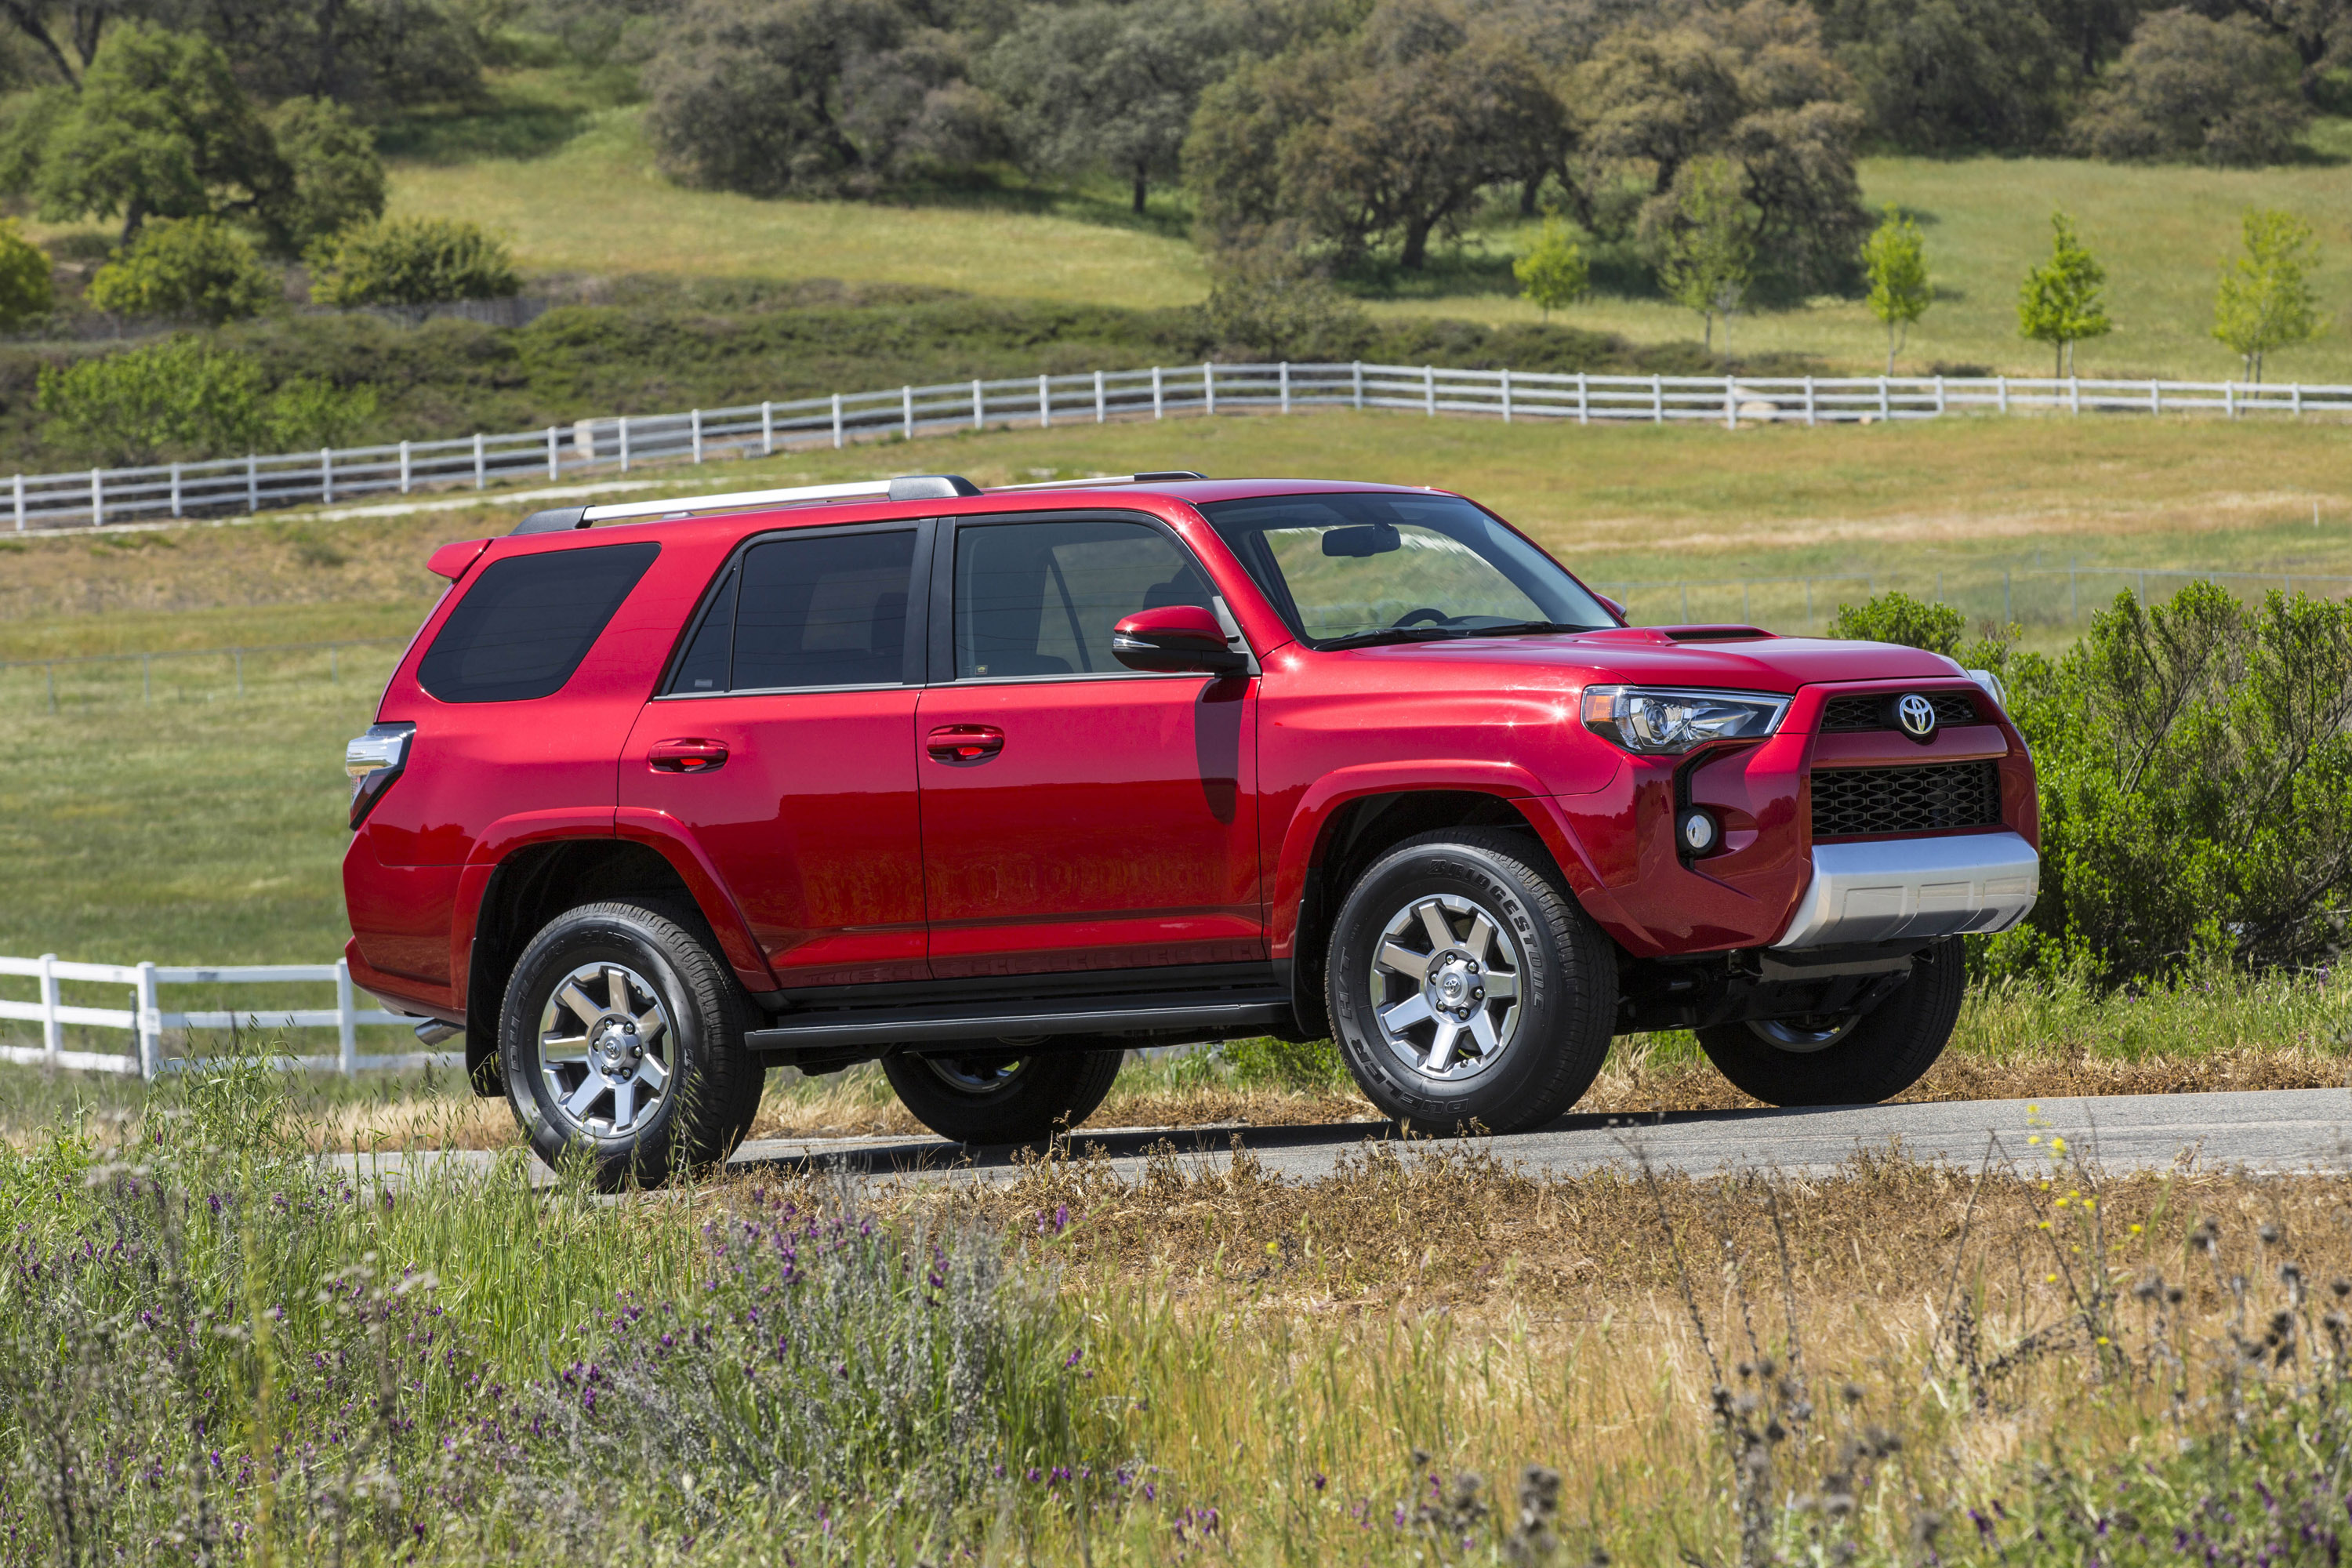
(2271, 1130)
(2289, 1129)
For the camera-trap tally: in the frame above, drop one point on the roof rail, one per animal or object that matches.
(906, 487)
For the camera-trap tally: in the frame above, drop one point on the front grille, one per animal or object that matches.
(1847, 713)
(1933, 799)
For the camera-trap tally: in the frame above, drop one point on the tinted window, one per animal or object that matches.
(527, 622)
(825, 610)
(1351, 566)
(704, 667)
(1041, 598)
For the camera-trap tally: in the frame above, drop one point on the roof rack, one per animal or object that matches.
(906, 487)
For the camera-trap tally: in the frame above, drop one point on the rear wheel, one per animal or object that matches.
(1466, 985)
(622, 1038)
(1002, 1094)
(1848, 1059)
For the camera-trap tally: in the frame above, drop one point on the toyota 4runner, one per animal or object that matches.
(991, 785)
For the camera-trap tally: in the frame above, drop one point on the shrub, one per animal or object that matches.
(185, 399)
(411, 262)
(334, 178)
(27, 293)
(1267, 295)
(196, 267)
(1897, 618)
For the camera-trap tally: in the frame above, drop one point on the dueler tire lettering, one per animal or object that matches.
(1411, 927)
(710, 1085)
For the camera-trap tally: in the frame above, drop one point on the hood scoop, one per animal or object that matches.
(1712, 634)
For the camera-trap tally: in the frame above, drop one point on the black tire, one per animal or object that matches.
(710, 1085)
(1543, 1056)
(1876, 1057)
(1001, 1095)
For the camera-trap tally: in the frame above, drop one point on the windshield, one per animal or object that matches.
(1348, 570)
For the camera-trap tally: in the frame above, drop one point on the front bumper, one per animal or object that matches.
(1890, 889)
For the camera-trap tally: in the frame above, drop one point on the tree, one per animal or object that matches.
(1108, 87)
(2221, 92)
(2265, 300)
(2060, 303)
(333, 177)
(1709, 255)
(1895, 261)
(369, 54)
(1267, 295)
(160, 129)
(1951, 76)
(1553, 275)
(411, 262)
(26, 291)
(197, 267)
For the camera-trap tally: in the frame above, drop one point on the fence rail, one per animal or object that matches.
(146, 1021)
(250, 485)
(234, 655)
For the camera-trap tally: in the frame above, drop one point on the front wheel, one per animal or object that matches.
(1468, 987)
(622, 1038)
(1002, 1094)
(1848, 1059)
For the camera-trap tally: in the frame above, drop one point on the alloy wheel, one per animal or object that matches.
(604, 1042)
(1445, 987)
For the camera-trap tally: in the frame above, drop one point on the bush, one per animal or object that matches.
(334, 178)
(194, 267)
(412, 261)
(2223, 92)
(187, 399)
(1266, 296)
(1897, 618)
(27, 293)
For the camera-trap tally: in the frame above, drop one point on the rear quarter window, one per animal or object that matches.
(528, 621)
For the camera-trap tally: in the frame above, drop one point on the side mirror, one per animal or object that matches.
(1176, 639)
(1612, 605)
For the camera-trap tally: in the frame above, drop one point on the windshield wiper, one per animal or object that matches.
(1380, 635)
(1517, 629)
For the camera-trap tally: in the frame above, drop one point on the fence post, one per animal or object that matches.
(694, 422)
(1209, 385)
(252, 485)
(1885, 409)
(51, 1040)
(2295, 391)
(1808, 402)
(347, 1040)
(404, 468)
(979, 407)
(20, 503)
(1657, 400)
(1940, 398)
(1101, 413)
(175, 490)
(1358, 368)
(767, 427)
(1583, 410)
(625, 442)
(1730, 405)
(1044, 402)
(1506, 394)
(837, 422)
(325, 476)
(554, 458)
(2155, 397)
(2002, 387)
(481, 473)
(1283, 371)
(2073, 394)
(1159, 398)
(907, 411)
(2229, 403)
(98, 498)
(1429, 388)
(151, 1022)
(2007, 613)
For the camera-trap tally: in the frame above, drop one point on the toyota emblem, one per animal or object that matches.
(1917, 715)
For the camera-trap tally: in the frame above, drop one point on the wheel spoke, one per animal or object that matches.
(576, 1001)
(1434, 922)
(1501, 986)
(593, 1085)
(1441, 1049)
(1482, 1029)
(625, 1104)
(653, 1073)
(1481, 937)
(616, 990)
(1407, 1013)
(650, 1024)
(1404, 961)
(555, 1048)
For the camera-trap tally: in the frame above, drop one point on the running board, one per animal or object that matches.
(880, 1029)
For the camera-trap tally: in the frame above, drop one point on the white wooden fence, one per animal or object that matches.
(233, 486)
(146, 1021)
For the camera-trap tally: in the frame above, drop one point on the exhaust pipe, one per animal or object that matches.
(433, 1031)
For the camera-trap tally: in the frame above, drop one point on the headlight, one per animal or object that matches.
(1991, 686)
(1657, 720)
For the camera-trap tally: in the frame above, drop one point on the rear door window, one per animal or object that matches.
(528, 621)
(826, 609)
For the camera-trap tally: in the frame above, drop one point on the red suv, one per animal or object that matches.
(991, 785)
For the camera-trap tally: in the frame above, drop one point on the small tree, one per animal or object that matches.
(2265, 300)
(1554, 275)
(197, 267)
(27, 293)
(1710, 255)
(1896, 262)
(1267, 293)
(2060, 302)
(411, 262)
(333, 177)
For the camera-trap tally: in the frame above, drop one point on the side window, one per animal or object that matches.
(1041, 598)
(528, 621)
(826, 609)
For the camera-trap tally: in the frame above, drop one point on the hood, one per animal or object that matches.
(1732, 658)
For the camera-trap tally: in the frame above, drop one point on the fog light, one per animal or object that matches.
(1699, 832)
